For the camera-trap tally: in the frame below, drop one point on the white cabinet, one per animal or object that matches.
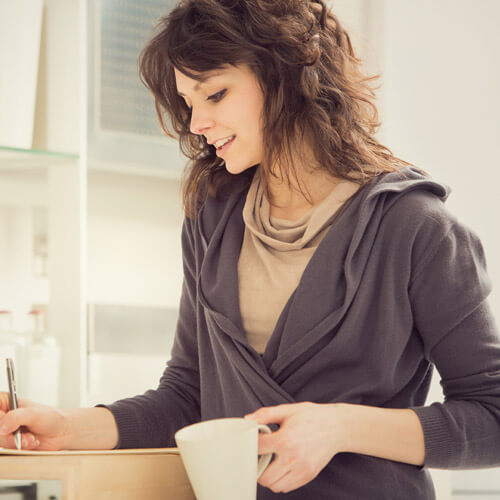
(74, 143)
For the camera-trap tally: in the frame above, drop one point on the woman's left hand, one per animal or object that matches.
(309, 437)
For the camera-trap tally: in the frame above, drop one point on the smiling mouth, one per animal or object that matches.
(222, 149)
(224, 142)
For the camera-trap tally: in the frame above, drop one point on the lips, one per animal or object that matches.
(220, 142)
(221, 151)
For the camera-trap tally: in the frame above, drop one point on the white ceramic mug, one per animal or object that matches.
(221, 458)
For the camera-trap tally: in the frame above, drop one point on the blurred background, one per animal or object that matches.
(90, 206)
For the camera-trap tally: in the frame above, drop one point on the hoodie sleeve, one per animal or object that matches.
(448, 293)
(151, 420)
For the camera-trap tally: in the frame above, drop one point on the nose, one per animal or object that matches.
(201, 120)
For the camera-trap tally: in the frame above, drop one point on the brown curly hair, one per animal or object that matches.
(313, 88)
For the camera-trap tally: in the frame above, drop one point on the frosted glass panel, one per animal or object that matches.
(123, 129)
(124, 103)
(137, 330)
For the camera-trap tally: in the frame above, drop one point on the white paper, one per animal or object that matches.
(20, 30)
(135, 451)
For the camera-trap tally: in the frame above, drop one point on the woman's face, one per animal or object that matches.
(227, 104)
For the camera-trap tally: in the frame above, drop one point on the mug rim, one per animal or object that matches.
(183, 433)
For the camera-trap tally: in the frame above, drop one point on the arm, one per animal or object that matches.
(89, 429)
(393, 434)
(461, 338)
(448, 294)
(48, 428)
(311, 434)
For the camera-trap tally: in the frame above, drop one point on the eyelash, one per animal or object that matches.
(217, 97)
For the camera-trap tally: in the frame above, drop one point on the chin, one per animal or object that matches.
(238, 169)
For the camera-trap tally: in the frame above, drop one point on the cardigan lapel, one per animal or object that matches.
(314, 312)
(218, 279)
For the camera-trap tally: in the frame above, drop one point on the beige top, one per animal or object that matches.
(274, 255)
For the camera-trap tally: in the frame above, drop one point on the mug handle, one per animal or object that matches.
(264, 459)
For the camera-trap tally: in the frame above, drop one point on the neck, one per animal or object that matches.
(287, 201)
(315, 186)
(299, 194)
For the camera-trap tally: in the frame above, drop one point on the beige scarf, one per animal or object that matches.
(274, 255)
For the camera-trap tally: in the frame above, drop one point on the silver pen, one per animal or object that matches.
(13, 397)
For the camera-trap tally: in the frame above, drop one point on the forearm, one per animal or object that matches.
(90, 429)
(393, 434)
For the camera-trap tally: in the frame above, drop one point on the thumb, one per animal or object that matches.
(271, 414)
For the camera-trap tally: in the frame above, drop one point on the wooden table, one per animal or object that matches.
(152, 474)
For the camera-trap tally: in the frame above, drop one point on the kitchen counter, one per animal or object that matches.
(97, 475)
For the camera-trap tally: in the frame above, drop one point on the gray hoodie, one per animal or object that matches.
(398, 285)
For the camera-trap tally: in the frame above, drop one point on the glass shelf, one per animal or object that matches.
(17, 158)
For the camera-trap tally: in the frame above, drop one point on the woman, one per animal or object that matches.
(323, 277)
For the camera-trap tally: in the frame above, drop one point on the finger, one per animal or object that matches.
(274, 472)
(268, 443)
(271, 414)
(289, 482)
(28, 441)
(4, 401)
(13, 419)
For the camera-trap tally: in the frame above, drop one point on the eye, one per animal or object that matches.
(217, 97)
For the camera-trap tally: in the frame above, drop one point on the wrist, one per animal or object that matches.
(75, 429)
(344, 427)
(67, 431)
(389, 433)
(89, 428)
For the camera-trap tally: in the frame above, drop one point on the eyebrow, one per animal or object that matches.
(203, 79)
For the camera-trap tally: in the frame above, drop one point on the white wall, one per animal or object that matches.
(134, 258)
(134, 242)
(439, 106)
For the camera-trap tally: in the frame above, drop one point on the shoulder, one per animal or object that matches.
(421, 223)
(416, 225)
(421, 212)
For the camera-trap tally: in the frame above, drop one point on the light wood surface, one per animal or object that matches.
(105, 476)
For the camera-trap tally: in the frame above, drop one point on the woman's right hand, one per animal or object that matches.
(42, 427)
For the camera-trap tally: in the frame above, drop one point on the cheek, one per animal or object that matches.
(251, 106)
(256, 120)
